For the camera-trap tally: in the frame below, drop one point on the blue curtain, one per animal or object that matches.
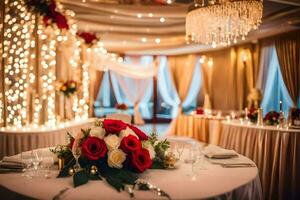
(275, 89)
(167, 89)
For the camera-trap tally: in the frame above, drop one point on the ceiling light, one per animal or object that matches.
(139, 15)
(157, 40)
(162, 19)
(169, 1)
(221, 23)
(150, 15)
(144, 39)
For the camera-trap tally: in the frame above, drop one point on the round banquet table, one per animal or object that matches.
(200, 127)
(214, 182)
(14, 141)
(275, 151)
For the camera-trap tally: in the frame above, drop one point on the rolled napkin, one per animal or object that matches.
(213, 151)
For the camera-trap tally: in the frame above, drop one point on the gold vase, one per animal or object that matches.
(61, 163)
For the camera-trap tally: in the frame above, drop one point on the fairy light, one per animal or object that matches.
(16, 50)
(48, 64)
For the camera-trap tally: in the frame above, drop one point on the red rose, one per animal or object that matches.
(61, 21)
(94, 148)
(47, 20)
(199, 111)
(113, 126)
(52, 7)
(130, 144)
(140, 160)
(138, 132)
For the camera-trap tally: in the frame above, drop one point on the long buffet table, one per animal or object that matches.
(275, 151)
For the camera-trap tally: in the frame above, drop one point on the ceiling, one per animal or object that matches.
(156, 27)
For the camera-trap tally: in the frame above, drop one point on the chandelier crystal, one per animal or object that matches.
(222, 22)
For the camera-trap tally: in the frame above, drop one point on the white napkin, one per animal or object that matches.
(234, 162)
(213, 151)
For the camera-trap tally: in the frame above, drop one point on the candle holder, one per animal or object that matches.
(259, 117)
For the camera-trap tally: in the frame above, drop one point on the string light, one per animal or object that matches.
(16, 50)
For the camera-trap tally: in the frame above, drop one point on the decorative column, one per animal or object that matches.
(2, 84)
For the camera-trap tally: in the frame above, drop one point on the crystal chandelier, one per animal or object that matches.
(222, 22)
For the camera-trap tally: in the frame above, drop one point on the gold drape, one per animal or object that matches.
(288, 52)
(182, 70)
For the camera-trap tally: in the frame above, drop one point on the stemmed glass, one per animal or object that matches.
(27, 160)
(47, 163)
(179, 148)
(76, 153)
(36, 160)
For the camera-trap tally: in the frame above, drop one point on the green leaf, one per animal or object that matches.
(157, 165)
(128, 177)
(116, 183)
(80, 178)
(95, 177)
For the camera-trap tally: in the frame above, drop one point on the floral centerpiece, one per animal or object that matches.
(200, 111)
(114, 151)
(121, 106)
(253, 115)
(68, 88)
(272, 118)
(295, 116)
(88, 38)
(48, 10)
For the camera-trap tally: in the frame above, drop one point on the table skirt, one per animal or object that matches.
(276, 153)
(14, 142)
(200, 128)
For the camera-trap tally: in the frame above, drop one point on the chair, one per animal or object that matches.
(121, 116)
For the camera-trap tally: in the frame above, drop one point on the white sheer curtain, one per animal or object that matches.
(137, 91)
(167, 89)
(275, 89)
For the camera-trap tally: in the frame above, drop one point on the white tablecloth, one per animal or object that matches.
(14, 141)
(214, 182)
(275, 151)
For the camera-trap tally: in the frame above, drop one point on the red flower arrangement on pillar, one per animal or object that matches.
(88, 38)
(49, 11)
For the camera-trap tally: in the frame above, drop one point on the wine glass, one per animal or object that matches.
(47, 163)
(27, 160)
(76, 153)
(36, 160)
(179, 148)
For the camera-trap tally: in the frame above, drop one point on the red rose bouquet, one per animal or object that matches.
(88, 38)
(121, 106)
(114, 151)
(253, 115)
(48, 10)
(199, 111)
(272, 118)
(68, 87)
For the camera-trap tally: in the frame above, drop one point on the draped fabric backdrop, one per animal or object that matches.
(275, 89)
(288, 51)
(137, 91)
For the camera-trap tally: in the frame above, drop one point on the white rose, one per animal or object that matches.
(127, 132)
(116, 158)
(97, 131)
(112, 142)
(147, 145)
